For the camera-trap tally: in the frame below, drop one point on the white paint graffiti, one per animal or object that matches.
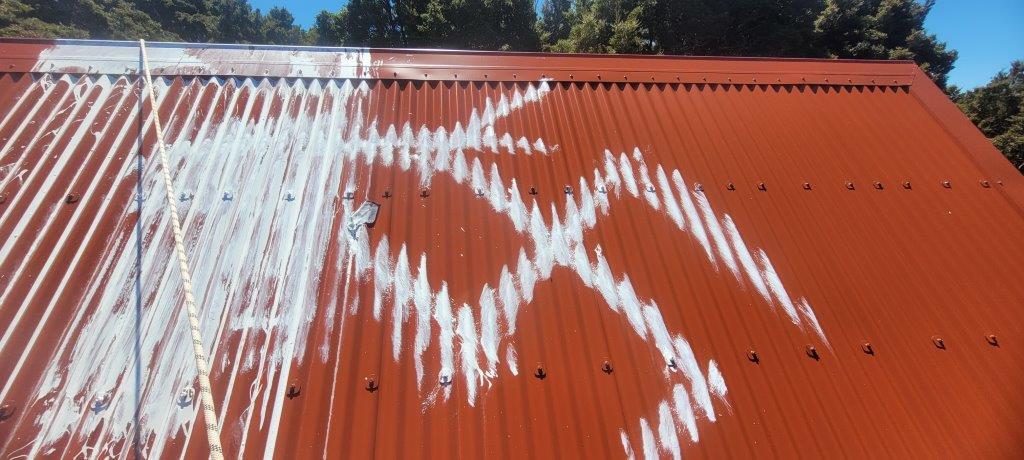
(259, 287)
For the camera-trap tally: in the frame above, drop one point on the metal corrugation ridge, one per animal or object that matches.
(557, 268)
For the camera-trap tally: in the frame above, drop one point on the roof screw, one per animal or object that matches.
(624, 77)
(753, 357)
(186, 396)
(568, 190)
(992, 340)
(227, 196)
(293, 390)
(445, 380)
(947, 184)
(485, 75)
(650, 188)
(985, 183)
(878, 185)
(539, 373)
(515, 75)
(533, 190)
(672, 363)
(607, 368)
(6, 411)
(939, 343)
(350, 195)
(697, 187)
(849, 185)
(101, 402)
(371, 384)
(570, 76)
(72, 198)
(730, 186)
(479, 192)
(424, 193)
(3, 199)
(812, 352)
(387, 194)
(289, 196)
(906, 184)
(807, 185)
(761, 186)
(867, 348)
(602, 189)
(185, 196)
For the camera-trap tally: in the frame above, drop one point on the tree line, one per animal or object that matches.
(856, 29)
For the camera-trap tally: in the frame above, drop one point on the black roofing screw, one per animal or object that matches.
(850, 186)
(879, 186)
(807, 185)
(606, 368)
(6, 411)
(371, 384)
(445, 380)
(350, 195)
(72, 198)
(672, 363)
(753, 356)
(293, 390)
(992, 340)
(479, 192)
(540, 374)
(568, 190)
(761, 186)
(812, 352)
(650, 188)
(697, 187)
(947, 184)
(867, 348)
(906, 184)
(938, 342)
(730, 186)
(984, 183)
(533, 190)
(387, 194)
(424, 193)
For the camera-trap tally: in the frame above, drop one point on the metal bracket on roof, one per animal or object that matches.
(365, 215)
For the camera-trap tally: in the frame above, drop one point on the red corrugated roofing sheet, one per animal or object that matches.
(574, 256)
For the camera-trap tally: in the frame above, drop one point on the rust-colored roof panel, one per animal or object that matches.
(573, 255)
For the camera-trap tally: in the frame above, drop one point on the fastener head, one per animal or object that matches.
(812, 352)
(938, 342)
(606, 368)
(753, 356)
(730, 186)
(867, 348)
(850, 186)
(947, 184)
(293, 390)
(807, 185)
(540, 373)
(992, 340)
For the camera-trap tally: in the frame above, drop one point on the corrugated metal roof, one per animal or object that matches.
(574, 255)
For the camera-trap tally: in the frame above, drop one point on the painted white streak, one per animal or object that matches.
(423, 301)
(650, 445)
(667, 436)
(696, 227)
(671, 205)
(446, 331)
(626, 171)
(512, 359)
(776, 287)
(717, 235)
(687, 362)
(489, 329)
(684, 411)
(808, 314)
(627, 448)
(467, 347)
(509, 299)
(746, 260)
(716, 383)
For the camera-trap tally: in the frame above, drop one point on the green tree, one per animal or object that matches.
(238, 22)
(279, 28)
(998, 110)
(191, 20)
(555, 22)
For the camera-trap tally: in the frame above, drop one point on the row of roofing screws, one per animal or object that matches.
(867, 347)
(187, 395)
(73, 198)
(697, 187)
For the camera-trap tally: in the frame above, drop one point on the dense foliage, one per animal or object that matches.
(998, 110)
(864, 29)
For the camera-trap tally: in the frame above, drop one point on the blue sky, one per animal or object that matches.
(987, 33)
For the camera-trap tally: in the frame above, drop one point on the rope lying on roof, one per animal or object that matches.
(198, 351)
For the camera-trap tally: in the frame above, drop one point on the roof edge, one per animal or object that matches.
(214, 59)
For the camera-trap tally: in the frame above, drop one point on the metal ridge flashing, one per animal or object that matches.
(211, 59)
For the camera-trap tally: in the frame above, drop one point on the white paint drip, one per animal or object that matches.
(667, 437)
(716, 383)
(684, 411)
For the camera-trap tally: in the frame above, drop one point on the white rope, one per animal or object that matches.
(198, 351)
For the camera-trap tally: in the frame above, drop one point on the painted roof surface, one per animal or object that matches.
(573, 255)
